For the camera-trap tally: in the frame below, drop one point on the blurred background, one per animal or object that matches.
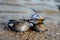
(16, 9)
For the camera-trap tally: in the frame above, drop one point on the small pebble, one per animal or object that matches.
(57, 33)
(10, 38)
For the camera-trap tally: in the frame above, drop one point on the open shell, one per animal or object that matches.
(21, 26)
(40, 27)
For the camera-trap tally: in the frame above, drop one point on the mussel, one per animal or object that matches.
(40, 26)
(18, 25)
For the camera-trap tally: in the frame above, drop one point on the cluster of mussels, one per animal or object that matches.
(24, 25)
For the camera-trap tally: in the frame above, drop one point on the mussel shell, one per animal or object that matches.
(40, 27)
(21, 26)
(41, 19)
